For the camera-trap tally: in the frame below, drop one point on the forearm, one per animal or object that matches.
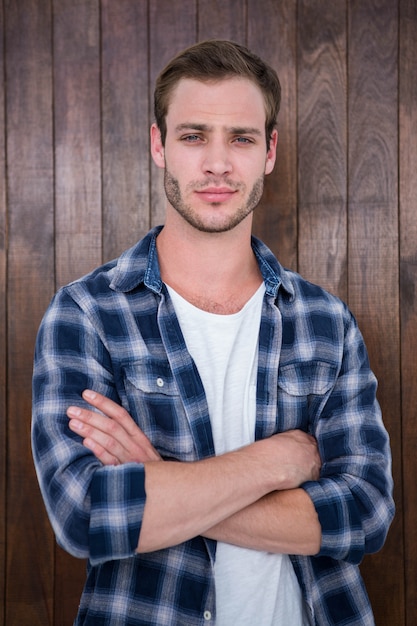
(281, 522)
(185, 499)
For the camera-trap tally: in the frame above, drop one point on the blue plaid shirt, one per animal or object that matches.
(116, 331)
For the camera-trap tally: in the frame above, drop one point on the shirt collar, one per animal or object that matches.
(274, 275)
(140, 264)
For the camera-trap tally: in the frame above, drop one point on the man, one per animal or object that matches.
(224, 460)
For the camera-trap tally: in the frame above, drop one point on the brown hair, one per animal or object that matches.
(216, 60)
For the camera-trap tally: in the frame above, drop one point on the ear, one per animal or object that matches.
(271, 155)
(157, 149)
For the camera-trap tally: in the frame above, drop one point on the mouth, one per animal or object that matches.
(215, 194)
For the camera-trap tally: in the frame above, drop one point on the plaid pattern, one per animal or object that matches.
(115, 331)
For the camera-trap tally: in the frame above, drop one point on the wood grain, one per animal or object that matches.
(373, 250)
(125, 124)
(272, 35)
(75, 108)
(3, 325)
(30, 571)
(408, 290)
(77, 138)
(222, 20)
(322, 141)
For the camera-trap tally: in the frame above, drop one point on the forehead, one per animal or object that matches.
(230, 100)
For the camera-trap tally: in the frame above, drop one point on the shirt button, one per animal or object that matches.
(207, 616)
(159, 382)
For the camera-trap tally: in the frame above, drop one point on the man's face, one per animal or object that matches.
(215, 154)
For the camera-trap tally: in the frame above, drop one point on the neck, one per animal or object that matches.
(217, 272)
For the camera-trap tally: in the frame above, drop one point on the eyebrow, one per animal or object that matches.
(233, 130)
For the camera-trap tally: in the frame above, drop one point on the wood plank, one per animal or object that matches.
(322, 142)
(272, 35)
(3, 322)
(77, 137)
(30, 571)
(373, 251)
(125, 123)
(373, 237)
(222, 20)
(408, 289)
(78, 183)
(172, 27)
(69, 580)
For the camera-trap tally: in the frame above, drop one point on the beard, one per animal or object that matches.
(215, 225)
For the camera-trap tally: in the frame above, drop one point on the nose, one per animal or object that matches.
(217, 160)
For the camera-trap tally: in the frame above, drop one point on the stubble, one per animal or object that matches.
(213, 225)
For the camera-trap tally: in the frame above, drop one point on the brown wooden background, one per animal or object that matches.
(77, 187)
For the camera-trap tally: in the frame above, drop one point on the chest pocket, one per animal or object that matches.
(302, 391)
(155, 403)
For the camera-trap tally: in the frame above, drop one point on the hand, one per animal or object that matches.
(296, 458)
(111, 435)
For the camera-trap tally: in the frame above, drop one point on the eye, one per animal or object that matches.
(243, 140)
(191, 138)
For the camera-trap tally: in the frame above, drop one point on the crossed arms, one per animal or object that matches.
(249, 497)
(115, 495)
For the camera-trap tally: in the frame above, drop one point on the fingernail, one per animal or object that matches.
(73, 411)
(90, 395)
(76, 425)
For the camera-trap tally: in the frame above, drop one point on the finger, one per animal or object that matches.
(100, 453)
(107, 424)
(113, 410)
(98, 440)
(106, 405)
(91, 421)
(112, 437)
(121, 417)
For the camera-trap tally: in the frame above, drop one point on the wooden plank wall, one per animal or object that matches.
(77, 187)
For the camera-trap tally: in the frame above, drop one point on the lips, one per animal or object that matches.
(216, 194)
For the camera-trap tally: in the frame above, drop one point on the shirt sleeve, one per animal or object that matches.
(353, 497)
(95, 510)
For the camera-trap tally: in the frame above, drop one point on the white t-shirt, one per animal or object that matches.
(252, 587)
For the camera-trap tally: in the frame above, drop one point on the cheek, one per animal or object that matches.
(178, 163)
